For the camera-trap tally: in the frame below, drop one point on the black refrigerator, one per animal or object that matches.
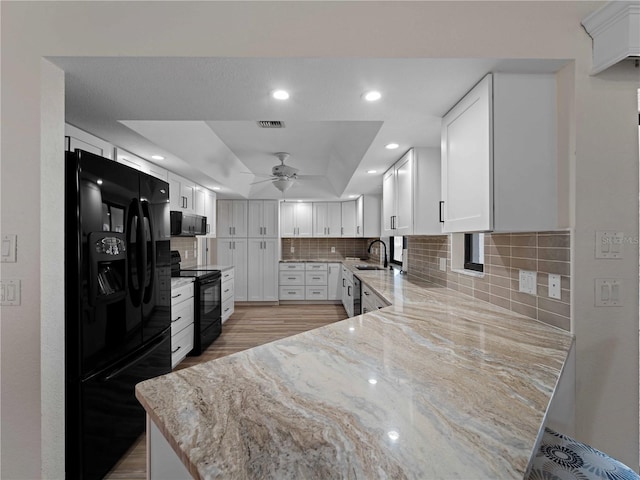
(118, 306)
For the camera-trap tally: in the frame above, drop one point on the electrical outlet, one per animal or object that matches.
(554, 286)
(443, 264)
(293, 249)
(186, 254)
(333, 249)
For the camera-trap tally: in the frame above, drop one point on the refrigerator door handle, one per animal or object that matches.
(150, 349)
(148, 260)
(135, 263)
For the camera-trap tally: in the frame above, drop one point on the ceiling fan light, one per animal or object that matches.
(283, 184)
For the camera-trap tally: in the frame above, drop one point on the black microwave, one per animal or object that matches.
(187, 225)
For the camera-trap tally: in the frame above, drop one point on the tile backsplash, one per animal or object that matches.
(188, 248)
(505, 255)
(320, 248)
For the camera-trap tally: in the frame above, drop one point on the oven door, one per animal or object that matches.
(210, 311)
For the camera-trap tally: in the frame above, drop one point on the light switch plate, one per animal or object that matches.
(9, 248)
(10, 292)
(609, 244)
(333, 249)
(608, 292)
(528, 282)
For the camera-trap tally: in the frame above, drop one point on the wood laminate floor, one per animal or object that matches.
(248, 327)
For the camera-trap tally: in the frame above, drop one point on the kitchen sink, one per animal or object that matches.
(369, 267)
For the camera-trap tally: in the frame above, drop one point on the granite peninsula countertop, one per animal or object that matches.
(177, 282)
(436, 386)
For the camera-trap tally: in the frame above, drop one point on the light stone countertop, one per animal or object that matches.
(436, 386)
(222, 268)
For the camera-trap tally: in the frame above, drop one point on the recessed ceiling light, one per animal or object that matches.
(157, 157)
(372, 96)
(216, 188)
(372, 171)
(99, 182)
(280, 94)
(391, 146)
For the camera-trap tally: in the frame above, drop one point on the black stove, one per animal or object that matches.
(207, 322)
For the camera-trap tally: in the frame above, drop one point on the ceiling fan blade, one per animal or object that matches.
(262, 181)
(257, 174)
(308, 177)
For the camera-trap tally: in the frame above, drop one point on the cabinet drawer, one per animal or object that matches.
(314, 267)
(227, 289)
(287, 266)
(181, 316)
(291, 278)
(371, 299)
(227, 309)
(316, 278)
(227, 275)
(316, 293)
(181, 344)
(180, 294)
(292, 293)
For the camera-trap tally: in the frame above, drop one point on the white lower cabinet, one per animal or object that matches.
(334, 281)
(181, 323)
(227, 294)
(370, 300)
(262, 276)
(310, 281)
(233, 251)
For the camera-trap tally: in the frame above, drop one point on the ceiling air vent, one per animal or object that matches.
(270, 124)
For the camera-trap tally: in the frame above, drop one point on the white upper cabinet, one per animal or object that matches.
(499, 156)
(411, 194)
(296, 219)
(181, 193)
(263, 218)
(397, 192)
(360, 217)
(210, 212)
(232, 218)
(133, 161)
(349, 219)
(198, 201)
(327, 219)
(76, 138)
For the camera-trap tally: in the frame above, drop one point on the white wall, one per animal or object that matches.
(603, 172)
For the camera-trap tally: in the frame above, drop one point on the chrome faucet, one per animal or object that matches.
(385, 250)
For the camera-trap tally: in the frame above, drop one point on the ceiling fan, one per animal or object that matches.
(282, 176)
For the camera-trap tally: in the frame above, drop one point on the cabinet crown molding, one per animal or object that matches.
(615, 30)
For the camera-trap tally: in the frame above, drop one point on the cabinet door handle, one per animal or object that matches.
(291, 278)
(358, 229)
(174, 351)
(348, 290)
(366, 293)
(174, 321)
(229, 230)
(315, 278)
(343, 285)
(291, 293)
(176, 296)
(441, 206)
(341, 230)
(226, 309)
(265, 230)
(226, 290)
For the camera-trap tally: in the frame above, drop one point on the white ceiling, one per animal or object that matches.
(201, 114)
